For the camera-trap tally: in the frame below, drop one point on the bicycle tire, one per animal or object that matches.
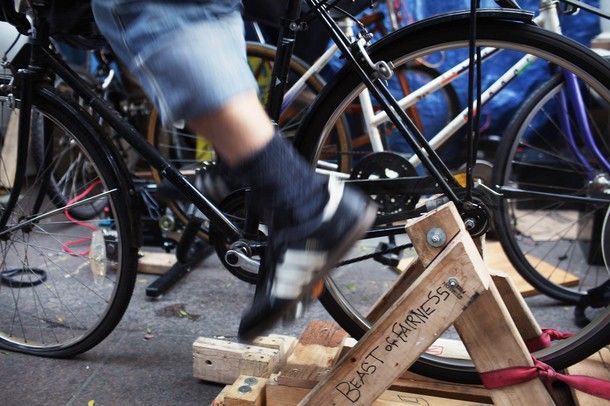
(82, 297)
(519, 220)
(60, 191)
(446, 33)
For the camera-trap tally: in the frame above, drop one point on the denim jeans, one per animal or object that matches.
(188, 56)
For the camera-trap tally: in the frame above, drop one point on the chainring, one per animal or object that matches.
(234, 207)
(387, 165)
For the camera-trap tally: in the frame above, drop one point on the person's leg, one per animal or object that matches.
(237, 130)
(190, 60)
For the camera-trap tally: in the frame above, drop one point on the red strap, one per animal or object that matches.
(68, 244)
(544, 340)
(516, 375)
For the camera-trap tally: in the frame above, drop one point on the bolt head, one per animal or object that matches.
(436, 237)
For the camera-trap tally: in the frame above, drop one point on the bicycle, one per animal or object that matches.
(51, 324)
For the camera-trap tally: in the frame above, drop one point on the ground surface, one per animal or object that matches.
(147, 360)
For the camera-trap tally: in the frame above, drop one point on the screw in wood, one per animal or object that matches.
(436, 237)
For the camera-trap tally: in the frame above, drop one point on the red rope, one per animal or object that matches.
(544, 340)
(516, 375)
(67, 245)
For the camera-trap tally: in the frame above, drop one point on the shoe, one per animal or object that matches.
(298, 258)
(215, 180)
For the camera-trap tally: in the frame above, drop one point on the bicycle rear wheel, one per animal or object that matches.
(64, 283)
(354, 289)
(556, 243)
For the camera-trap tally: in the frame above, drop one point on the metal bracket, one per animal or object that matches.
(382, 68)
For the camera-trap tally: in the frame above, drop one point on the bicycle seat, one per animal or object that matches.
(70, 21)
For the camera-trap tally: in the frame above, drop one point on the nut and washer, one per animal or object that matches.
(436, 237)
(469, 223)
(250, 381)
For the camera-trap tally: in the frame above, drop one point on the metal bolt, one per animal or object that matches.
(470, 223)
(251, 381)
(452, 282)
(244, 389)
(436, 237)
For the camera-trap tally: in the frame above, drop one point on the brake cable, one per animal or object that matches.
(474, 110)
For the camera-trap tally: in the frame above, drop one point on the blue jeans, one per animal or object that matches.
(188, 56)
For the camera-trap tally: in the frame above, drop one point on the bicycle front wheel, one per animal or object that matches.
(64, 283)
(355, 289)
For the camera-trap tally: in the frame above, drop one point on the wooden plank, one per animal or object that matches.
(283, 343)
(280, 395)
(442, 218)
(409, 327)
(598, 366)
(156, 263)
(493, 342)
(9, 151)
(448, 348)
(521, 314)
(314, 355)
(223, 361)
(399, 398)
(246, 391)
(417, 384)
(497, 260)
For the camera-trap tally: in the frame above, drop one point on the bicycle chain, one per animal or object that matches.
(393, 250)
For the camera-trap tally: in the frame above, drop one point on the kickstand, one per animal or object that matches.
(190, 251)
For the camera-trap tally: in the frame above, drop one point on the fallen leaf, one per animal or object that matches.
(351, 287)
(91, 403)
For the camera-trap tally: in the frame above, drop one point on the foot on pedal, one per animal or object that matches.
(300, 257)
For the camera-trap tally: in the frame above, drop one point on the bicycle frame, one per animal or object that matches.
(293, 23)
(41, 55)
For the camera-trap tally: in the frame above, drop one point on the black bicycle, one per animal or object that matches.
(65, 282)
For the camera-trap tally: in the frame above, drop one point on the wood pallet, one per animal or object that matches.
(279, 370)
(449, 284)
(156, 263)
